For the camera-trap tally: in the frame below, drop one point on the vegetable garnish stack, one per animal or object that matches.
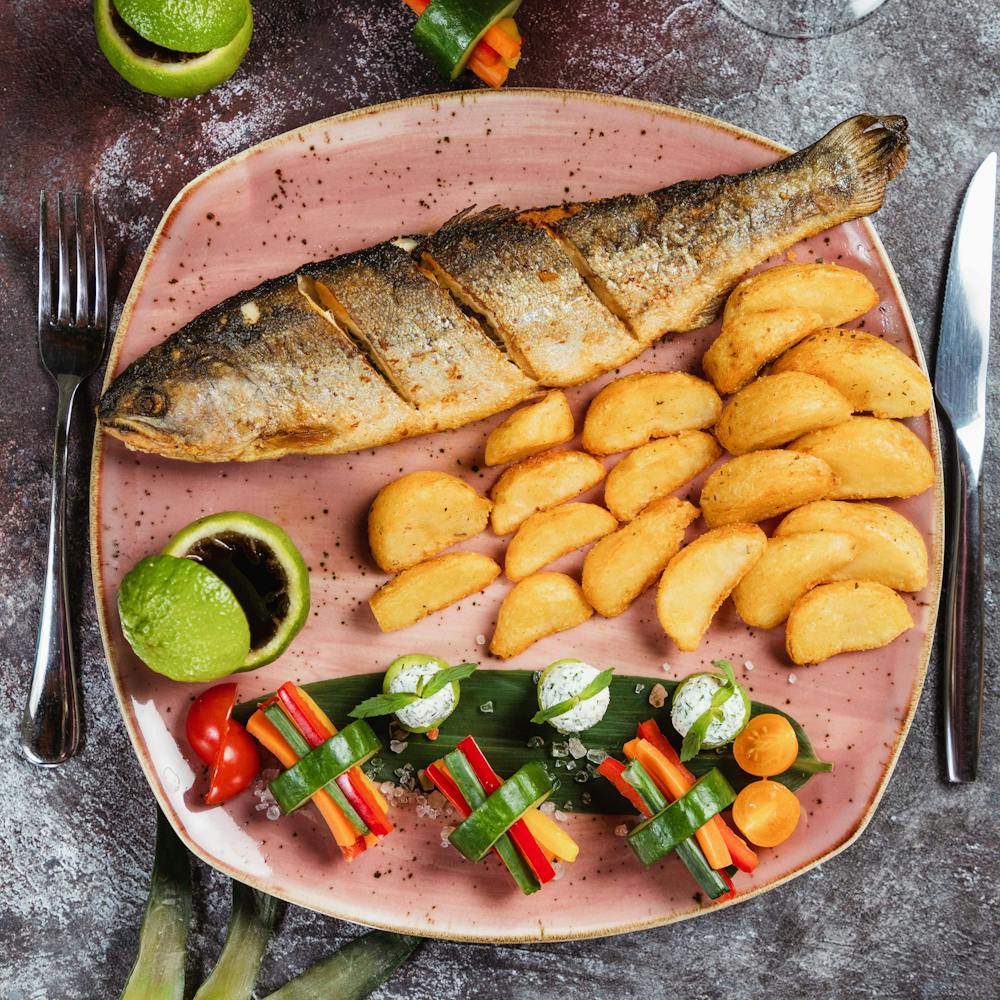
(323, 765)
(503, 816)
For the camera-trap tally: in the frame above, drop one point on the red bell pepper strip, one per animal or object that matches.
(613, 770)
(315, 732)
(519, 832)
(742, 854)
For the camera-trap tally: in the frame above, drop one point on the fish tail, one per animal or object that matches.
(873, 148)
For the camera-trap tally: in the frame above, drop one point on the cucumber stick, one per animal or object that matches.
(158, 973)
(353, 972)
(251, 922)
(448, 30)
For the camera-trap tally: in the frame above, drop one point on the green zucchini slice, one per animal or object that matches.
(448, 30)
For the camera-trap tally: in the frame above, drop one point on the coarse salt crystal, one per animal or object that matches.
(665, 667)
(547, 807)
(486, 707)
(748, 664)
(657, 696)
(639, 688)
(273, 812)
(559, 749)
(535, 742)
(791, 678)
(397, 746)
(621, 830)
(480, 640)
(596, 756)
(576, 748)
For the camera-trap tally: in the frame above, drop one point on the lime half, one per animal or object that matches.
(261, 566)
(182, 620)
(163, 71)
(185, 25)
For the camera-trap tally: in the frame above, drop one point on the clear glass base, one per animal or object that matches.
(801, 18)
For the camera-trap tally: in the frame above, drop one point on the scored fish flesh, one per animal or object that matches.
(409, 338)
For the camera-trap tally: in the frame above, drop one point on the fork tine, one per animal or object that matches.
(62, 313)
(100, 271)
(81, 266)
(44, 277)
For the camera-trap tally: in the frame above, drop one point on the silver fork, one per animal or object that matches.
(71, 346)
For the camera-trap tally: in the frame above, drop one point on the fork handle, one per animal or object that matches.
(963, 617)
(50, 728)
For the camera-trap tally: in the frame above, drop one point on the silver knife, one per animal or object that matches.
(960, 385)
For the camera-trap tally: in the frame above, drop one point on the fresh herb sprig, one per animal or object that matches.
(596, 686)
(695, 736)
(387, 704)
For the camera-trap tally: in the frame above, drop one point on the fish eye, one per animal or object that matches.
(150, 403)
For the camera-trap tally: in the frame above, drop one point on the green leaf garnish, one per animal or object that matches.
(596, 686)
(695, 736)
(430, 686)
(384, 704)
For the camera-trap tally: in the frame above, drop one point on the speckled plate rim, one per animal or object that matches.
(459, 98)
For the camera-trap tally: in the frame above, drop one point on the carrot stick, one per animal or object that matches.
(263, 730)
(673, 784)
(743, 855)
(504, 38)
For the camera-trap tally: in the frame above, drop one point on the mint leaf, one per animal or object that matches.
(726, 668)
(440, 680)
(383, 704)
(544, 714)
(598, 684)
(696, 734)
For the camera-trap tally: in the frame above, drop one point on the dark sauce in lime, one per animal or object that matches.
(253, 574)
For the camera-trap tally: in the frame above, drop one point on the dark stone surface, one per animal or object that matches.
(909, 911)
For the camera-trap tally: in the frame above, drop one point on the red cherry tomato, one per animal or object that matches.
(208, 720)
(237, 764)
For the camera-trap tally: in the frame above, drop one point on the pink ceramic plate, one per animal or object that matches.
(352, 181)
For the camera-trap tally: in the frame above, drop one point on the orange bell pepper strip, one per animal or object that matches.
(350, 844)
(673, 784)
(744, 857)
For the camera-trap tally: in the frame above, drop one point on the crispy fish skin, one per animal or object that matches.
(367, 349)
(664, 261)
(436, 357)
(258, 376)
(517, 277)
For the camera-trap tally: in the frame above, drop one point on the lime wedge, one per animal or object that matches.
(163, 71)
(185, 25)
(182, 620)
(261, 565)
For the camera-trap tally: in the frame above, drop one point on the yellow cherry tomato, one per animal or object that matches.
(767, 746)
(766, 812)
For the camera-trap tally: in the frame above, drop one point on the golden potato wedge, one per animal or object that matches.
(549, 534)
(870, 457)
(622, 565)
(836, 294)
(531, 429)
(637, 408)
(890, 549)
(844, 617)
(656, 469)
(540, 483)
(876, 377)
(749, 340)
(788, 568)
(701, 576)
(778, 408)
(762, 484)
(539, 605)
(421, 514)
(430, 586)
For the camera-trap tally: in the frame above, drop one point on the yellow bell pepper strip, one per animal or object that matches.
(671, 782)
(351, 844)
(744, 857)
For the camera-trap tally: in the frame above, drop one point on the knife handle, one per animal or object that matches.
(963, 616)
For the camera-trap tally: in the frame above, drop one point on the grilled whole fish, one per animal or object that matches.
(397, 340)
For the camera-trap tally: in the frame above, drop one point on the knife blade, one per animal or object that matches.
(960, 387)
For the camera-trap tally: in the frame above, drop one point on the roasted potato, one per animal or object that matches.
(749, 340)
(540, 483)
(774, 309)
(536, 607)
(531, 429)
(778, 408)
(761, 484)
(701, 576)
(788, 568)
(430, 586)
(890, 549)
(876, 377)
(871, 458)
(656, 469)
(836, 294)
(637, 408)
(549, 534)
(622, 565)
(421, 514)
(844, 617)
